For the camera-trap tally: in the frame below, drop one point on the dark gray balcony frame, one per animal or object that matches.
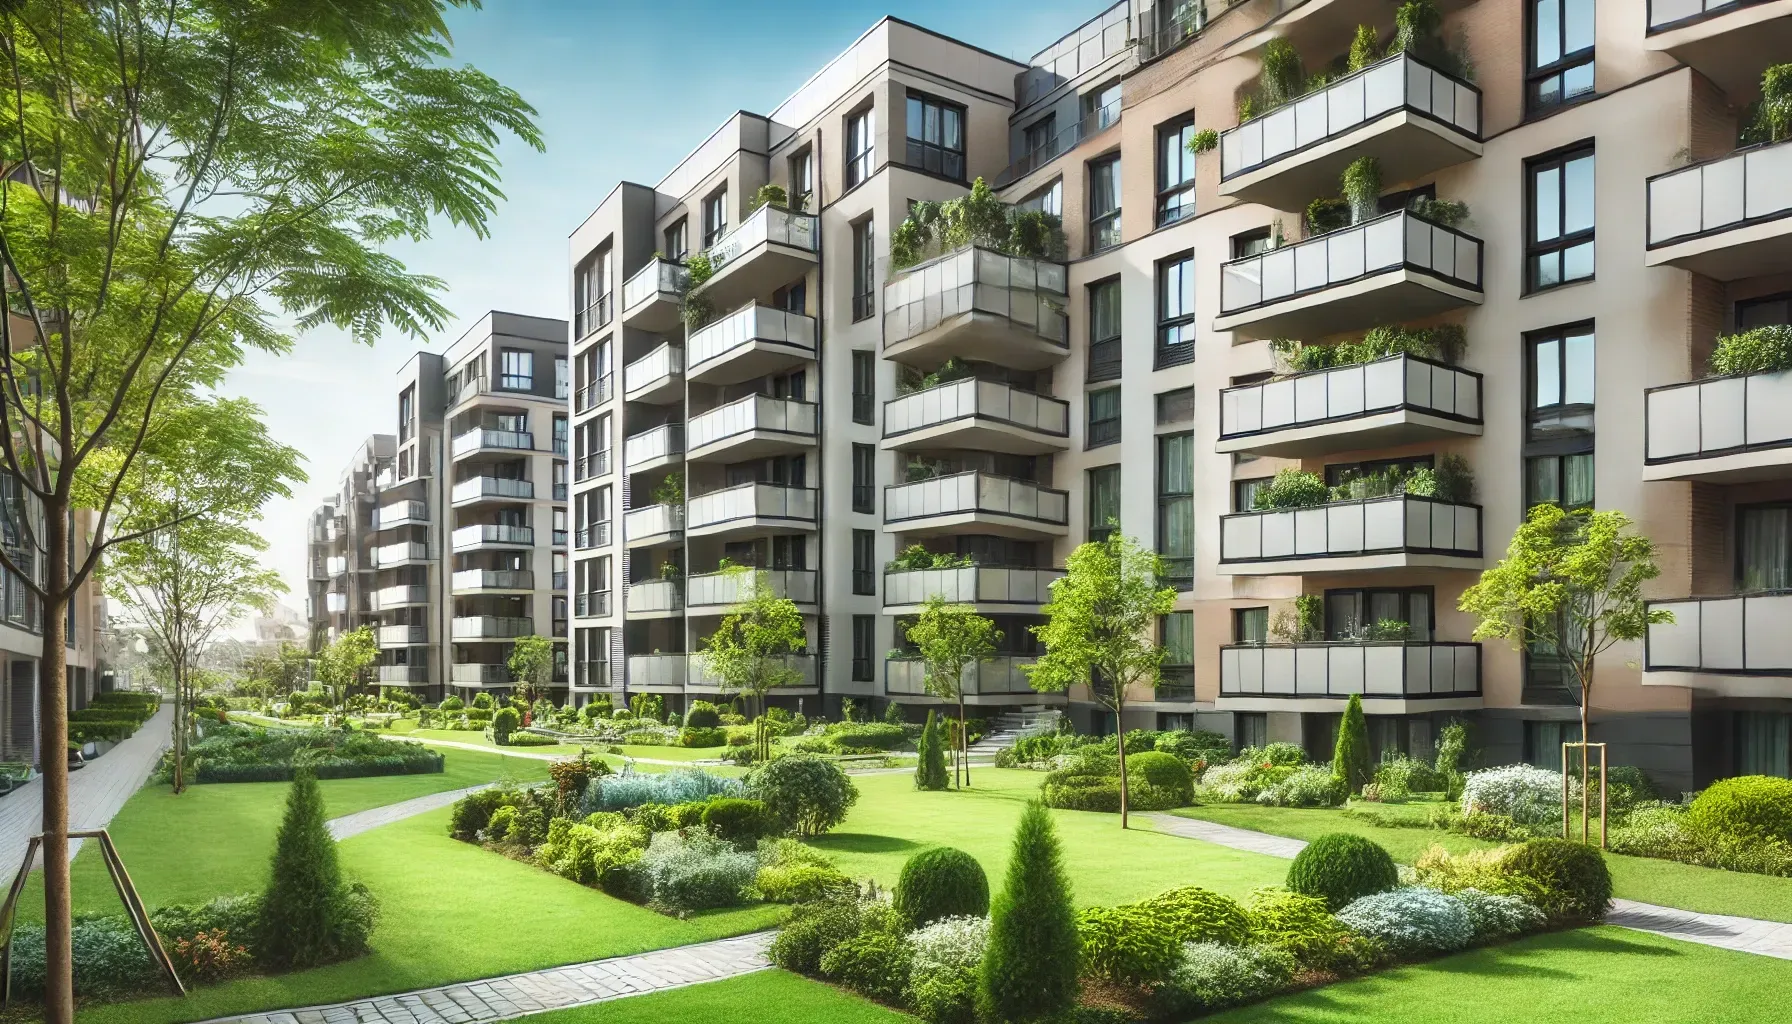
(984, 417)
(1649, 664)
(1404, 406)
(977, 508)
(1361, 645)
(1405, 263)
(1706, 14)
(1651, 242)
(1405, 549)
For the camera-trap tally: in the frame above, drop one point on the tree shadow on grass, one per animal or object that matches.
(863, 842)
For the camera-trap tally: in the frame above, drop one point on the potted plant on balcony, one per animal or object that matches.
(1765, 349)
(978, 218)
(670, 491)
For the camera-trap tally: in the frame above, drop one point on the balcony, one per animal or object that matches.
(337, 565)
(1413, 118)
(757, 507)
(1393, 401)
(1721, 430)
(1392, 677)
(977, 415)
(653, 526)
(715, 593)
(490, 488)
(594, 394)
(402, 636)
(1735, 646)
(752, 428)
(1394, 268)
(414, 552)
(1727, 41)
(656, 378)
(999, 677)
(980, 304)
(657, 672)
(404, 675)
(597, 535)
(592, 605)
(336, 603)
(594, 316)
(1086, 127)
(1395, 532)
(750, 342)
(588, 466)
(770, 249)
(492, 535)
(492, 581)
(401, 513)
(485, 441)
(594, 675)
(987, 589)
(654, 599)
(654, 449)
(404, 596)
(650, 298)
(469, 673)
(976, 503)
(1727, 218)
(489, 627)
(699, 679)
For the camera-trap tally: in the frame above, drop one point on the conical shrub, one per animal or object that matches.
(1350, 759)
(298, 908)
(931, 772)
(1029, 969)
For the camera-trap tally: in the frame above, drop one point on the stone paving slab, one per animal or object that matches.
(372, 818)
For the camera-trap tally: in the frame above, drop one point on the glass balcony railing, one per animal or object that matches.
(594, 675)
(766, 225)
(596, 314)
(401, 553)
(493, 579)
(651, 597)
(1408, 670)
(1334, 397)
(751, 502)
(754, 414)
(399, 597)
(595, 604)
(659, 369)
(1394, 241)
(971, 399)
(970, 584)
(1743, 634)
(402, 636)
(591, 396)
(1667, 14)
(469, 673)
(653, 523)
(479, 534)
(661, 442)
(745, 329)
(474, 488)
(661, 671)
(1396, 524)
(481, 439)
(999, 676)
(659, 279)
(399, 675)
(721, 590)
(975, 492)
(489, 627)
(1721, 416)
(401, 513)
(593, 464)
(701, 679)
(1086, 127)
(1029, 295)
(337, 565)
(1747, 187)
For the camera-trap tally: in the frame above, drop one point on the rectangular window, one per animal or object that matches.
(1176, 509)
(1175, 311)
(677, 247)
(863, 635)
(935, 132)
(1764, 743)
(1250, 625)
(1101, 107)
(1038, 138)
(1176, 408)
(516, 370)
(1566, 480)
(802, 180)
(1175, 172)
(1764, 547)
(562, 378)
(1363, 614)
(864, 387)
(1048, 200)
(1104, 418)
(1104, 501)
(864, 478)
(1104, 330)
(715, 217)
(1250, 243)
(1250, 730)
(1543, 742)
(1559, 240)
(864, 561)
(1176, 675)
(1104, 204)
(864, 271)
(1764, 312)
(1559, 435)
(1244, 492)
(861, 145)
(1559, 65)
(407, 414)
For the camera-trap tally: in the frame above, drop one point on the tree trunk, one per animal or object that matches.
(1586, 691)
(964, 742)
(52, 731)
(1120, 745)
(179, 736)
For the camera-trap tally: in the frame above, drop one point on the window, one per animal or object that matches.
(935, 136)
(1356, 614)
(715, 217)
(677, 247)
(861, 147)
(1101, 107)
(1175, 172)
(1104, 501)
(1176, 509)
(1250, 243)
(802, 179)
(1176, 635)
(1338, 474)
(1048, 200)
(1560, 62)
(864, 561)
(1104, 204)
(864, 478)
(1559, 417)
(1038, 137)
(517, 370)
(1244, 492)
(1175, 311)
(1543, 742)
(1176, 408)
(864, 387)
(790, 551)
(1250, 625)
(1104, 417)
(863, 635)
(562, 377)
(1104, 330)
(864, 271)
(1764, 743)
(1250, 729)
(1559, 247)
(1764, 547)
(1766, 312)
(407, 413)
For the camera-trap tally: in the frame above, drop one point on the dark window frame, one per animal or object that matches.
(715, 202)
(1108, 222)
(1568, 444)
(1557, 159)
(803, 159)
(864, 571)
(864, 386)
(1182, 192)
(864, 478)
(1104, 360)
(864, 269)
(926, 147)
(1535, 74)
(1244, 244)
(1105, 431)
(858, 166)
(1742, 510)
(1180, 353)
(1239, 488)
(864, 640)
(1099, 532)
(1238, 624)
(1404, 593)
(1783, 298)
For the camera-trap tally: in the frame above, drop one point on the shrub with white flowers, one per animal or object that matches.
(1213, 975)
(1494, 916)
(1310, 785)
(1412, 921)
(1522, 792)
(1232, 782)
(942, 980)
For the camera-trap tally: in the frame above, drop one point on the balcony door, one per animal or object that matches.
(1764, 547)
(1357, 614)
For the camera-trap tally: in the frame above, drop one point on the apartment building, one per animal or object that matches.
(1612, 229)
(339, 567)
(460, 516)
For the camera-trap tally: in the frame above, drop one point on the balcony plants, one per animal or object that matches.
(1444, 343)
(1757, 350)
(1769, 119)
(980, 219)
(670, 491)
(917, 557)
(1302, 622)
(767, 195)
(1292, 488)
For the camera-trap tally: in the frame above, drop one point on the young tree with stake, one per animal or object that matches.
(751, 651)
(950, 638)
(531, 658)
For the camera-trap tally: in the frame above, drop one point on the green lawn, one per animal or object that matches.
(1664, 882)
(892, 820)
(655, 753)
(766, 997)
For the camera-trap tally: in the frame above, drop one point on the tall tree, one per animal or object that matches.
(341, 664)
(751, 651)
(950, 638)
(173, 178)
(1101, 628)
(1571, 584)
(531, 659)
(284, 670)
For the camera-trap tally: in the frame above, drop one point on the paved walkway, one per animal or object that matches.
(95, 792)
(372, 818)
(1743, 934)
(538, 991)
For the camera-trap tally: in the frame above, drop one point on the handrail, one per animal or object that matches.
(1402, 240)
(1358, 402)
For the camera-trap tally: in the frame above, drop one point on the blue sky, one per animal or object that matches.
(623, 90)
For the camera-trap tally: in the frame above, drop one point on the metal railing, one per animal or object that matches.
(1746, 187)
(593, 675)
(1028, 293)
(400, 596)
(1395, 523)
(1088, 126)
(491, 533)
(1394, 241)
(492, 579)
(477, 487)
(593, 536)
(647, 670)
(1158, 34)
(396, 674)
(1719, 416)
(1666, 14)
(972, 492)
(976, 399)
(479, 674)
(594, 603)
(654, 596)
(1407, 670)
(751, 501)
(481, 438)
(1743, 634)
(653, 521)
(594, 394)
(1400, 82)
(970, 584)
(768, 224)
(402, 636)
(401, 512)
(594, 316)
(661, 365)
(660, 442)
(404, 551)
(1344, 393)
(742, 328)
(753, 414)
(660, 278)
(489, 627)
(719, 589)
(906, 677)
(594, 464)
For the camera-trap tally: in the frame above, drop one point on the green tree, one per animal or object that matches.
(340, 665)
(287, 669)
(752, 651)
(1571, 584)
(178, 182)
(531, 659)
(1101, 626)
(951, 637)
(930, 773)
(1029, 968)
(1350, 759)
(303, 881)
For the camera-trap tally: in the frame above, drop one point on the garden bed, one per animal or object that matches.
(238, 753)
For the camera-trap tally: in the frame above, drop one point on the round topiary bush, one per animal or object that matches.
(1127, 945)
(1340, 867)
(1747, 807)
(741, 822)
(1158, 781)
(1200, 915)
(939, 883)
(806, 794)
(702, 715)
(1571, 880)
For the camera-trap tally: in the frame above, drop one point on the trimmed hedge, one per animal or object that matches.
(1573, 883)
(1341, 867)
(428, 764)
(1195, 914)
(234, 753)
(1747, 807)
(939, 883)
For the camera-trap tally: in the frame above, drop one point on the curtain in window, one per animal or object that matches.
(1176, 464)
(1766, 548)
(1104, 497)
(1179, 638)
(1104, 311)
(1577, 481)
(1763, 743)
(1253, 625)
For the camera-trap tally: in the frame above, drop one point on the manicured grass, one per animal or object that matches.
(1664, 882)
(1588, 976)
(451, 911)
(656, 753)
(766, 997)
(892, 821)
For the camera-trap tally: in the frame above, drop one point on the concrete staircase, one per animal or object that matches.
(1010, 726)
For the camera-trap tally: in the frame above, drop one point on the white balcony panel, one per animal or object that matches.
(751, 506)
(654, 449)
(1000, 677)
(753, 427)
(403, 553)
(484, 488)
(750, 342)
(974, 585)
(480, 535)
(657, 671)
(978, 415)
(401, 513)
(653, 525)
(719, 591)
(700, 679)
(1728, 218)
(1743, 635)
(1727, 41)
(402, 636)
(1392, 401)
(655, 598)
(651, 296)
(980, 304)
(489, 627)
(1391, 532)
(657, 377)
(402, 596)
(768, 250)
(995, 504)
(492, 580)
(1722, 430)
(1390, 677)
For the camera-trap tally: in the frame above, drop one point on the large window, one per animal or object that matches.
(1048, 200)
(802, 179)
(1104, 417)
(1370, 614)
(1175, 311)
(1543, 742)
(861, 145)
(864, 561)
(864, 478)
(1101, 107)
(1104, 501)
(1559, 420)
(864, 271)
(1104, 203)
(1176, 508)
(1559, 65)
(407, 414)
(1104, 330)
(715, 217)
(1559, 242)
(863, 637)
(1175, 171)
(516, 370)
(935, 136)
(1244, 492)
(1764, 743)
(1036, 137)
(864, 386)
(1176, 634)
(1764, 547)
(677, 243)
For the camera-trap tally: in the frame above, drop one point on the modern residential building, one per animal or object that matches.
(465, 533)
(1566, 193)
(339, 566)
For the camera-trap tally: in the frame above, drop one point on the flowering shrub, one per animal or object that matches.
(696, 871)
(1212, 976)
(942, 981)
(208, 956)
(1493, 916)
(1232, 782)
(1310, 785)
(1412, 921)
(1526, 794)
